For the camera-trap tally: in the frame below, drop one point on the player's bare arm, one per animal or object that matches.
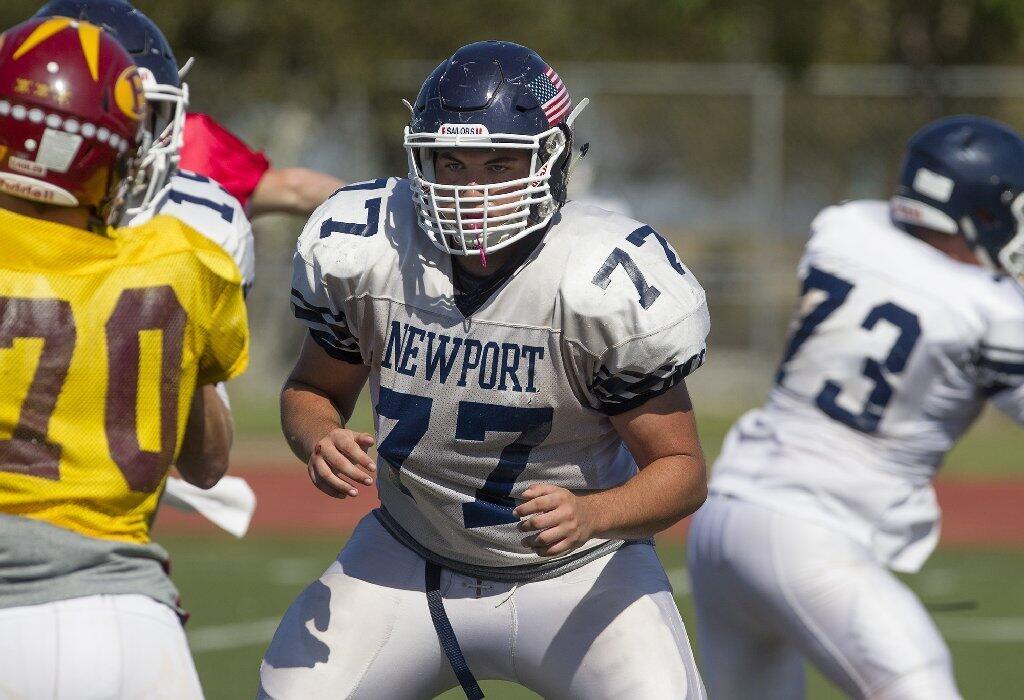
(292, 191)
(203, 459)
(671, 483)
(316, 402)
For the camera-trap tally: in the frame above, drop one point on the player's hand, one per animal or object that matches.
(558, 517)
(339, 464)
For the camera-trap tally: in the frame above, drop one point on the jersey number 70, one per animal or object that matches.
(28, 451)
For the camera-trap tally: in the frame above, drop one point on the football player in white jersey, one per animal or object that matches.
(526, 359)
(912, 317)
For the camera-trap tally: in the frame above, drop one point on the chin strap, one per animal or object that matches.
(584, 149)
(183, 71)
(483, 250)
(576, 111)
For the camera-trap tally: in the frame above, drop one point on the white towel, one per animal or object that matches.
(229, 505)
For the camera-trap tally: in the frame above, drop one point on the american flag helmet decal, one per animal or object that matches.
(551, 92)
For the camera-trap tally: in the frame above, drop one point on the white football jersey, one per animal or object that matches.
(894, 349)
(212, 211)
(471, 411)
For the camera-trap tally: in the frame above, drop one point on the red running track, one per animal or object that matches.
(975, 511)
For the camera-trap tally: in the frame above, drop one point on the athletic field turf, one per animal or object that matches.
(237, 590)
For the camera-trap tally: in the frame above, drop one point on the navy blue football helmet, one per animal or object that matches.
(965, 175)
(166, 94)
(490, 95)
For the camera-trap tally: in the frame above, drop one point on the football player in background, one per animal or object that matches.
(211, 149)
(197, 142)
(111, 341)
(526, 363)
(912, 317)
(162, 186)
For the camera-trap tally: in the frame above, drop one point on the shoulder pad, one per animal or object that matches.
(624, 281)
(850, 218)
(175, 235)
(208, 208)
(345, 237)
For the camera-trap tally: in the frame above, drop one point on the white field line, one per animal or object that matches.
(980, 630)
(232, 636)
(236, 635)
(989, 630)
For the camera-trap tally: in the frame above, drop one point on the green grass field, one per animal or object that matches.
(236, 591)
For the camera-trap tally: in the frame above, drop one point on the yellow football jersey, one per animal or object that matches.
(103, 341)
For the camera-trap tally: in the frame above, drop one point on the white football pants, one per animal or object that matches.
(772, 590)
(105, 647)
(609, 629)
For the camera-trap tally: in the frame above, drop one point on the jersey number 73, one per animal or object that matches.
(836, 293)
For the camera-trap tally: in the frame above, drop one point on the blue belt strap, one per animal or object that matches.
(446, 635)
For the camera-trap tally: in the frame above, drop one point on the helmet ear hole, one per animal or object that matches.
(985, 217)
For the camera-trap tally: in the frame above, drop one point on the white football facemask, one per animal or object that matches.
(163, 139)
(480, 219)
(1011, 256)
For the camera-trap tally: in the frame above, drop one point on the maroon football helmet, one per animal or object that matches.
(71, 105)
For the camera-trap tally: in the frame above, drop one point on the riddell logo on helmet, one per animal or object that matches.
(25, 187)
(26, 190)
(463, 130)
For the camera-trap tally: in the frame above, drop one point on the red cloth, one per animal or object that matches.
(213, 151)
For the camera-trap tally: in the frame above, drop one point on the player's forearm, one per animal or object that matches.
(660, 495)
(205, 449)
(292, 191)
(307, 415)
